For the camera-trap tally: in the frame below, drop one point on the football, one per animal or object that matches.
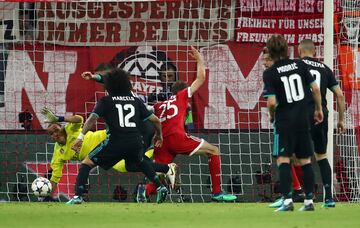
(41, 186)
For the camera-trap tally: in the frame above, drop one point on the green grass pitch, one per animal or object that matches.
(173, 215)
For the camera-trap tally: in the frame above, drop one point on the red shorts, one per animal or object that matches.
(176, 144)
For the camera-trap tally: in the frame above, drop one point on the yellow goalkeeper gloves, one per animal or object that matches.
(50, 117)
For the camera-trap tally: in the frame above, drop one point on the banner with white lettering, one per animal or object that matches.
(257, 20)
(97, 36)
(135, 23)
(41, 75)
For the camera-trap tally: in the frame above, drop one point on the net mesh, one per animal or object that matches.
(346, 154)
(45, 46)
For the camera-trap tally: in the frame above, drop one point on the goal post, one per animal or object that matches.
(329, 61)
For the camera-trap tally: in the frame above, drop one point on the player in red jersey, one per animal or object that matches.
(172, 113)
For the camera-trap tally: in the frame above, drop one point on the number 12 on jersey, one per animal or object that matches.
(124, 121)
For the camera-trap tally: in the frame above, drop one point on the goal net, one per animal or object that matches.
(347, 68)
(45, 46)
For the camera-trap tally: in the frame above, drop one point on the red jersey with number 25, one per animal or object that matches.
(172, 112)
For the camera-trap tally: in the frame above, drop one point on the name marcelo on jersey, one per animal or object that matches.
(123, 98)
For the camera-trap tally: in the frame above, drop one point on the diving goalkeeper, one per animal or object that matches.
(65, 136)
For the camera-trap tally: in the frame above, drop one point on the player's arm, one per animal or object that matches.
(269, 94)
(53, 186)
(318, 115)
(87, 75)
(146, 115)
(271, 105)
(201, 73)
(87, 127)
(50, 117)
(150, 108)
(158, 139)
(340, 100)
(333, 85)
(74, 119)
(57, 167)
(98, 111)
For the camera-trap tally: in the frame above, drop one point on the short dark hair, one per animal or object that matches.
(169, 66)
(277, 47)
(307, 45)
(117, 82)
(177, 86)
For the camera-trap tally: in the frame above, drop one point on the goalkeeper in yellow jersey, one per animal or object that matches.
(65, 136)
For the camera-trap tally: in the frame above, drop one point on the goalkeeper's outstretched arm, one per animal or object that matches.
(50, 117)
(73, 119)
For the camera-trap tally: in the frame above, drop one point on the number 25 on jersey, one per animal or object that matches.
(168, 110)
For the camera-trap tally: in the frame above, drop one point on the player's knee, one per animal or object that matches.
(305, 161)
(282, 159)
(87, 161)
(214, 150)
(295, 161)
(319, 157)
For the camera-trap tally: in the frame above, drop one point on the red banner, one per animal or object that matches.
(135, 23)
(140, 37)
(43, 75)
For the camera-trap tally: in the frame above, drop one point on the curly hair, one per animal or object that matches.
(277, 47)
(117, 82)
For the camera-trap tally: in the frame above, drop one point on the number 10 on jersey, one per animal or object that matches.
(293, 88)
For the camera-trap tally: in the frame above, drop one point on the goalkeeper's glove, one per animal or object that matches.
(50, 117)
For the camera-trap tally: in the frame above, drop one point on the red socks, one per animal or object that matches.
(150, 189)
(295, 181)
(215, 169)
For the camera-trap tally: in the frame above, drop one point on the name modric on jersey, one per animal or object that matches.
(287, 68)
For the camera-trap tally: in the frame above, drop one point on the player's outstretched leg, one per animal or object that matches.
(81, 180)
(149, 172)
(218, 194)
(144, 191)
(215, 172)
(173, 175)
(162, 192)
